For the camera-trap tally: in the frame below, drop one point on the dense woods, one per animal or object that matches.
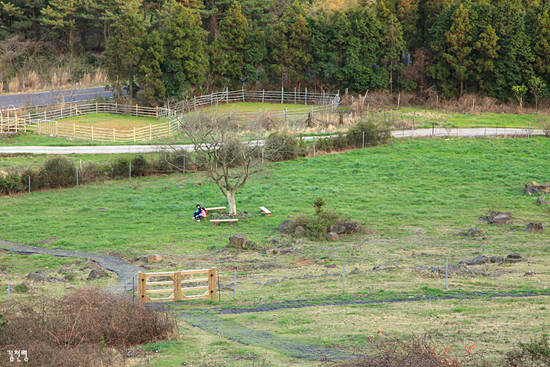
(157, 49)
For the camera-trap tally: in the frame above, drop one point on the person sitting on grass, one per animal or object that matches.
(199, 214)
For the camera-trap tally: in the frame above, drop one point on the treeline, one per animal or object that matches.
(160, 49)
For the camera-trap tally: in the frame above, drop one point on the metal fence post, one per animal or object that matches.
(282, 94)
(30, 184)
(130, 171)
(306, 97)
(314, 146)
(363, 140)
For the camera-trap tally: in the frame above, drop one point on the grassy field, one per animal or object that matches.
(411, 198)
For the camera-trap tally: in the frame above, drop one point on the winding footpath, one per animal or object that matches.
(398, 134)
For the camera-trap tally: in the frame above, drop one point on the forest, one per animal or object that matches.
(159, 49)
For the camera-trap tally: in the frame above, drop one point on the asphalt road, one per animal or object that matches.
(407, 134)
(53, 97)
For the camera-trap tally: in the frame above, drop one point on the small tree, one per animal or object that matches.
(519, 91)
(225, 158)
(538, 89)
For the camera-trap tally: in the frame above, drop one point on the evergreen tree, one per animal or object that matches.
(234, 32)
(63, 15)
(255, 58)
(150, 71)
(541, 44)
(393, 45)
(278, 54)
(186, 63)
(487, 48)
(124, 50)
(21, 17)
(408, 16)
(458, 44)
(298, 47)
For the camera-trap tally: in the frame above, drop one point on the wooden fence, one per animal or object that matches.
(173, 286)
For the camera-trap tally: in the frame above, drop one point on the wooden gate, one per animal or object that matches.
(177, 285)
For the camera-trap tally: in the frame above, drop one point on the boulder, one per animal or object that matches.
(283, 227)
(154, 259)
(496, 259)
(530, 190)
(95, 273)
(330, 266)
(338, 229)
(500, 218)
(514, 258)
(474, 231)
(237, 241)
(331, 236)
(534, 227)
(300, 231)
(351, 227)
(250, 244)
(478, 260)
(530, 273)
(354, 271)
(541, 200)
(37, 276)
(271, 281)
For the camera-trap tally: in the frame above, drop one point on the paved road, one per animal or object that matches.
(407, 134)
(49, 98)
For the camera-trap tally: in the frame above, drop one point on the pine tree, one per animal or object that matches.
(278, 54)
(234, 32)
(487, 47)
(541, 44)
(186, 62)
(21, 17)
(124, 50)
(150, 72)
(298, 45)
(63, 15)
(408, 16)
(458, 44)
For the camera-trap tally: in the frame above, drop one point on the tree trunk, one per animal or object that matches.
(231, 203)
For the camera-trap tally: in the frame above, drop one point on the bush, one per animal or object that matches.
(375, 134)
(171, 161)
(283, 147)
(319, 225)
(10, 183)
(120, 168)
(81, 328)
(37, 181)
(536, 353)
(58, 172)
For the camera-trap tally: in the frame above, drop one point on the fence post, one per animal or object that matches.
(282, 94)
(363, 140)
(114, 135)
(142, 288)
(234, 283)
(96, 108)
(212, 276)
(30, 183)
(226, 95)
(177, 285)
(263, 95)
(134, 134)
(76, 177)
(157, 113)
(314, 146)
(130, 171)
(305, 97)
(242, 90)
(169, 130)
(294, 95)
(150, 132)
(137, 110)
(56, 128)
(446, 271)
(344, 278)
(92, 133)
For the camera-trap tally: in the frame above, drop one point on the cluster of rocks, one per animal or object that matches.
(472, 232)
(241, 242)
(334, 233)
(498, 218)
(483, 259)
(534, 188)
(41, 277)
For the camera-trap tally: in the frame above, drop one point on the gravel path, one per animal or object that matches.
(113, 149)
(124, 270)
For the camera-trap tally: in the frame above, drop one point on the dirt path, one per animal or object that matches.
(124, 270)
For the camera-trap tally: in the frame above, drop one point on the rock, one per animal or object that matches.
(271, 281)
(534, 227)
(154, 259)
(331, 236)
(530, 273)
(58, 280)
(94, 274)
(270, 251)
(478, 260)
(250, 244)
(514, 258)
(461, 233)
(354, 271)
(530, 190)
(283, 227)
(37, 276)
(338, 229)
(419, 268)
(237, 241)
(351, 227)
(330, 266)
(541, 200)
(475, 231)
(496, 259)
(500, 218)
(300, 231)
(212, 248)
(276, 240)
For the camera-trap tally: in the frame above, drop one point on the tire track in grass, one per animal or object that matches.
(124, 270)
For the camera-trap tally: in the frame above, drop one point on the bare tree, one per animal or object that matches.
(222, 154)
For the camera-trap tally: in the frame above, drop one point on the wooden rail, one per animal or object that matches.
(173, 286)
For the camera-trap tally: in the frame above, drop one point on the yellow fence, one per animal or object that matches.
(177, 285)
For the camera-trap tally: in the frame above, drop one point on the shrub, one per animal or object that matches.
(37, 181)
(59, 172)
(282, 147)
(120, 167)
(375, 134)
(318, 225)
(535, 353)
(81, 328)
(171, 161)
(10, 183)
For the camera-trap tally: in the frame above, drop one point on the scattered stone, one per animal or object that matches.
(154, 259)
(276, 240)
(514, 258)
(484, 238)
(330, 266)
(500, 218)
(530, 273)
(351, 228)
(388, 268)
(533, 187)
(271, 281)
(96, 273)
(530, 190)
(354, 271)
(534, 227)
(542, 200)
(331, 236)
(101, 209)
(419, 268)
(37, 276)
(473, 232)
(300, 231)
(338, 229)
(478, 260)
(496, 259)
(250, 245)
(58, 280)
(237, 241)
(495, 275)
(212, 248)
(283, 227)
(179, 214)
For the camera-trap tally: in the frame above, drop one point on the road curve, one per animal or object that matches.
(406, 134)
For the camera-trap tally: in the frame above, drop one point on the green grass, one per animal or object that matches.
(30, 139)
(254, 107)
